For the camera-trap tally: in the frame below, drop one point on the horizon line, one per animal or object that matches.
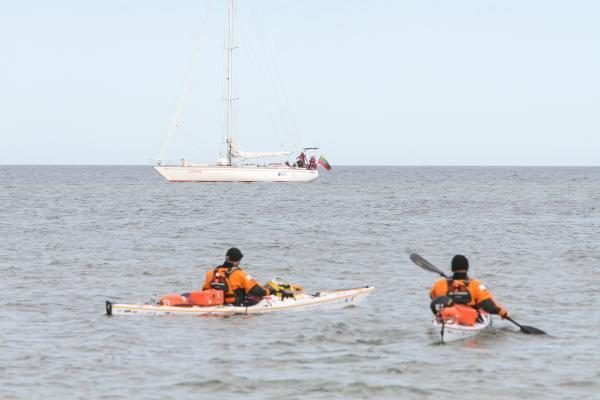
(341, 165)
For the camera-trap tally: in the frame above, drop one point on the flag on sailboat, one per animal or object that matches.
(324, 163)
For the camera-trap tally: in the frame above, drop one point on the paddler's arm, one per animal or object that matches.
(483, 299)
(439, 288)
(491, 307)
(207, 280)
(251, 286)
(258, 291)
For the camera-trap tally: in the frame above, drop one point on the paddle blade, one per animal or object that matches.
(426, 265)
(530, 330)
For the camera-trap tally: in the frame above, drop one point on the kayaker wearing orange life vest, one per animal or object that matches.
(240, 289)
(460, 289)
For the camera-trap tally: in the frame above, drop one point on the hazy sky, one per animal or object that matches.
(370, 82)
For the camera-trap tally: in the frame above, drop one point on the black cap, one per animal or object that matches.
(460, 263)
(234, 254)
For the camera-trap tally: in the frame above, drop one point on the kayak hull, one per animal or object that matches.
(326, 299)
(451, 332)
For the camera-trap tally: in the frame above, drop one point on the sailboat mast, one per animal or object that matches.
(229, 81)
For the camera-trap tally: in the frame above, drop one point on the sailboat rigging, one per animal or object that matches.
(228, 169)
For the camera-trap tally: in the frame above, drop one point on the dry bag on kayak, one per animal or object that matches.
(173, 300)
(460, 314)
(210, 297)
(278, 287)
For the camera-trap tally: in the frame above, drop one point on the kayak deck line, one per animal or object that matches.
(326, 299)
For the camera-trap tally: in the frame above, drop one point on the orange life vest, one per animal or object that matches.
(220, 281)
(458, 291)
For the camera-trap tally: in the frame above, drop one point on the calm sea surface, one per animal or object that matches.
(73, 237)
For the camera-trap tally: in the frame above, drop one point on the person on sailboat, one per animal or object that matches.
(460, 289)
(239, 288)
(312, 164)
(301, 160)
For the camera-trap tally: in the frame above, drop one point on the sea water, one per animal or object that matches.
(74, 237)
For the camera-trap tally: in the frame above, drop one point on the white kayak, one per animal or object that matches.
(449, 332)
(302, 301)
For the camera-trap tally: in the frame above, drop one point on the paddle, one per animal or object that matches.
(530, 330)
(426, 265)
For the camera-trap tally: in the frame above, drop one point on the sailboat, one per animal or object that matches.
(231, 167)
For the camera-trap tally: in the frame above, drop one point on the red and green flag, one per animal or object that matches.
(324, 163)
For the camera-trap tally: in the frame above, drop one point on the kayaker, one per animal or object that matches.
(460, 289)
(239, 287)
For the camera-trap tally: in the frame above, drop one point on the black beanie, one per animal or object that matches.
(234, 254)
(460, 263)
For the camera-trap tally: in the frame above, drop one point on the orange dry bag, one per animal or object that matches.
(210, 297)
(460, 314)
(173, 300)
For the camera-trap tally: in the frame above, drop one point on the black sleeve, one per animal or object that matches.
(489, 306)
(257, 291)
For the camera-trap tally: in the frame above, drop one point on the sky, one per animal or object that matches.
(376, 82)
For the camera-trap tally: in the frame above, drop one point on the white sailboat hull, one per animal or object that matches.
(214, 173)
